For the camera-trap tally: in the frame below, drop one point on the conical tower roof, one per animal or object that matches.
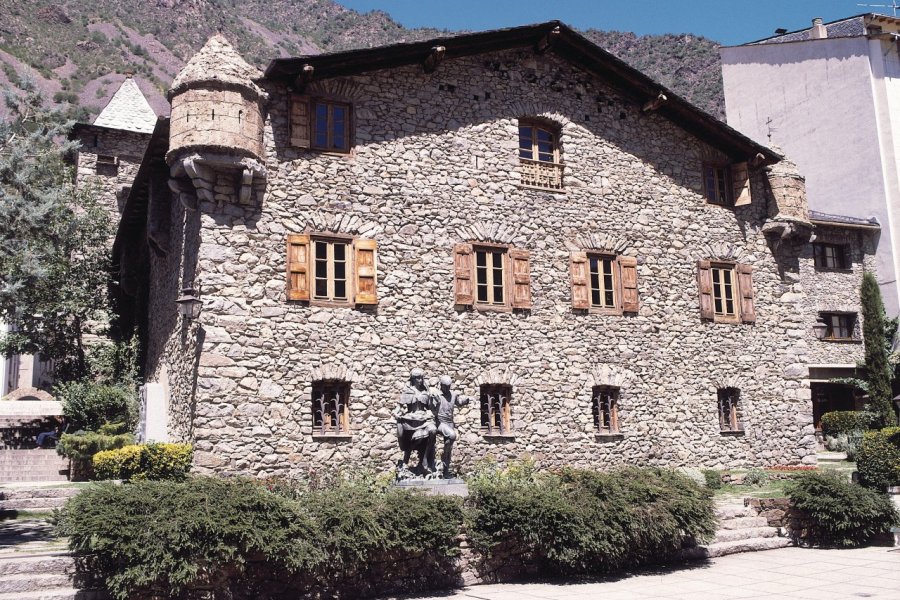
(128, 109)
(217, 63)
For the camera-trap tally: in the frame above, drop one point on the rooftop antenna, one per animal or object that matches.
(893, 5)
(770, 128)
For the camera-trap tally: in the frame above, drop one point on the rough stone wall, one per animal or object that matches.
(221, 118)
(435, 164)
(111, 184)
(835, 291)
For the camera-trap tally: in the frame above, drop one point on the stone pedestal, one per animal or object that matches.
(442, 487)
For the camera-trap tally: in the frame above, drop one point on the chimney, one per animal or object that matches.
(818, 31)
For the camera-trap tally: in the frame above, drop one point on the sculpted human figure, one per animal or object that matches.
(415, 423)
(444, 403)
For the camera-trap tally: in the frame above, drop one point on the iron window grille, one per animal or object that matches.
(495, 409)
(605, 409)
(331, 407)
(729, 409)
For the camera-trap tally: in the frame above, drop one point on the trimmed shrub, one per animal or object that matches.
(157, 537)
(144, 461)
(840, 513)
(83, 445)
(756, 477)
(586, 522)
(847, 422)
(713, 479)
(878, 458)
(90, 405)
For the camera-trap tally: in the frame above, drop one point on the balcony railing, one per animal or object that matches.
(541, 174)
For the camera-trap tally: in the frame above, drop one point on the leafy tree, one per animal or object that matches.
(53, 241)
(877, 335)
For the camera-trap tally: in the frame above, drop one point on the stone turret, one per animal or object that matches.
(788, 206)
(216, 127)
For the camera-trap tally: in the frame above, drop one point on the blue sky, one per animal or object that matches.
(727, 21)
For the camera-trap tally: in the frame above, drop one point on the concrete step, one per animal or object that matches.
(735, 547)
(52, 562)
(32, 503)
(743, 523)
(33, 582)
(66, 593)
(38, 492)
(732, 535)
(734, 511)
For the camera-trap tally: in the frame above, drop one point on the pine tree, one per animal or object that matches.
(877, 347)
(53, 241)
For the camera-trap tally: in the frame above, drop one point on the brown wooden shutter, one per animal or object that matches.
(704, 285)
(745, 289)
(740, 177)
(462, 268)
(581, 289)
(298, 267)
(299, 121)
(365, 264)
(521, 277)
(628, 270)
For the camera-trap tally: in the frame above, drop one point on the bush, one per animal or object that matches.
(587, 522)
(145, 461)
(83, 445)
(161, 536)
(840, 513)
(713, 479)
(845, 442)
(756, 477)
(878, 458)
(90, 405)
(847, 422)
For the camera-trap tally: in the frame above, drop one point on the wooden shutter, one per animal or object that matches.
(298, 267)
(745, 289)
(519, 262)
(581, 289)
(462, 268)
(740, 177)
(365, 265)
(704, 285)
(628, 270)
(299, 121)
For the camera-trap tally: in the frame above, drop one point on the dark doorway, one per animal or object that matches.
(828, 397)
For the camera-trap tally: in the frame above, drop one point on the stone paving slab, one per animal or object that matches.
(788, 573)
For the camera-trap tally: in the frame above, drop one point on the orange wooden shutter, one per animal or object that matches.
(740, 177)
(462, 268)
(366, 282)
(521, 277)
(628, 270)
(298, 267)
(704, 285)
(299, 121)
(745, 288)
(581, 291)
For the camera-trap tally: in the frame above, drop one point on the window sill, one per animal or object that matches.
(498, 436)
(325, 437)
(731, 432)
(610, 437)
(842, 341)
(845, 270)
(541, 189)
(492, 308)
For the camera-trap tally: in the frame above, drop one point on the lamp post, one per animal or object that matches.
(189, 304)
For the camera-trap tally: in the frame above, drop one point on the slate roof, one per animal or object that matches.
(128, 109)
(820, 217)
(217, 63)
(854, 26)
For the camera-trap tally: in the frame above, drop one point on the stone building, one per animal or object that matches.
(613, 275)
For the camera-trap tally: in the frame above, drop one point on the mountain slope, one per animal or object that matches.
(76, 51)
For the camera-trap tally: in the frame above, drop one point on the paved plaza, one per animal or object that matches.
(788, 573)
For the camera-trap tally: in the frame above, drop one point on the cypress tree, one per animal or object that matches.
(878, 368)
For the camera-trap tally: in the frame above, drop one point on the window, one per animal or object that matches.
(490, 277)
(495, 413)
(604, 283)
(331, 407)
(726, 292)
(729, 410)
(604, 406)
(321, 124)
(717, 184)
(830, 256)
(107, 165)
(328, 269)
(539, 156)
(839, 326)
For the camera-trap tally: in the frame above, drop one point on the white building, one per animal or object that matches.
(829, 96)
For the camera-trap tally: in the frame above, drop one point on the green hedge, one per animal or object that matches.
(144, 461)
(847, 421)
(89, 405)
(878, 458)
(83, 445)
(581, 521)
(840, 513)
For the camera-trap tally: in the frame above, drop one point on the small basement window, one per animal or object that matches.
(331, 407)
(729, 410)
(495, 409)
(605, 409)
